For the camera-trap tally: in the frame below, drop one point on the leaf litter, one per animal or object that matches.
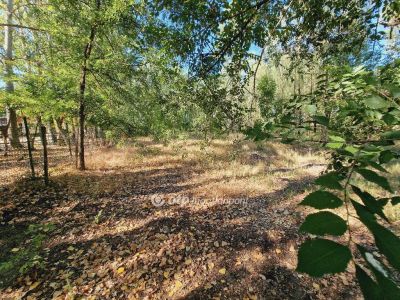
(207, 249)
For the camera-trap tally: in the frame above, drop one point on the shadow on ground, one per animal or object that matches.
(113, 241)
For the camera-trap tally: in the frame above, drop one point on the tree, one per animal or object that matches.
(357, 110)
(92, 46)
(267, 89)
(9, 84)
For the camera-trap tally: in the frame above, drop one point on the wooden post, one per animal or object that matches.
(45, 160)
(28, 141)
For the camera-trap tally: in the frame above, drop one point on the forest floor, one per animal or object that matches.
(187, 220)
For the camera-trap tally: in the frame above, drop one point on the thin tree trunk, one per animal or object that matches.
(28, 142)
(39, 121)
(82, 122)
(62, 132)
(102, 137)
(314, 102)
(9, 84)
(5, 145)
(34, 135)
(324, 134)
(75, 131)
(82, 88)
(53, 132)
(68, 139)
(96, 136)
(45, 159)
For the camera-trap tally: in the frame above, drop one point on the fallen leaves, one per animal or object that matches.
(34, 285)
(177, 286)
(137, 251)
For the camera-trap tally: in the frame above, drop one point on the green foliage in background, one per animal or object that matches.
(360, 130)
(267, 90)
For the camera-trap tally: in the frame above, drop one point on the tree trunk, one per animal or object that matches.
(53, 132)
(5, 145)
(9, 84)
(82, 88)
(4, 132)
(68, 139)
(75, 131)
(82, 121)
(45, 159)
(14, 130)
(62, 133)
(102, 137)
(39, 122)
(34, 136)
(28, 142)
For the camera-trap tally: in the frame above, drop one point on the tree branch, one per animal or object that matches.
(21, 26)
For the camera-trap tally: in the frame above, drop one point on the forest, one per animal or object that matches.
(200, 149)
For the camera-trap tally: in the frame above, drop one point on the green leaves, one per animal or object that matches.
(320, 256)
(385, 284)
(329, 180)
(322, 200)
(310, 109)
(370, 202)
(386, 241)
(375, 178)
(257, 132)
(395, 200)
(385, 156)
(368, 287)
(335, 138)
(334, 145)
(391, 135)
(324, 222)
(353, 154)
(389, 119)
(375, 165)
(362, 211)
(376, 102)
(394, 90)
(321, 120)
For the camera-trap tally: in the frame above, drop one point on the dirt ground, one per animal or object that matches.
(188, 220)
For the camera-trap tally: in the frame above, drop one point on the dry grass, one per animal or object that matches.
(222, 168)
(230, 168)
(263, 234)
